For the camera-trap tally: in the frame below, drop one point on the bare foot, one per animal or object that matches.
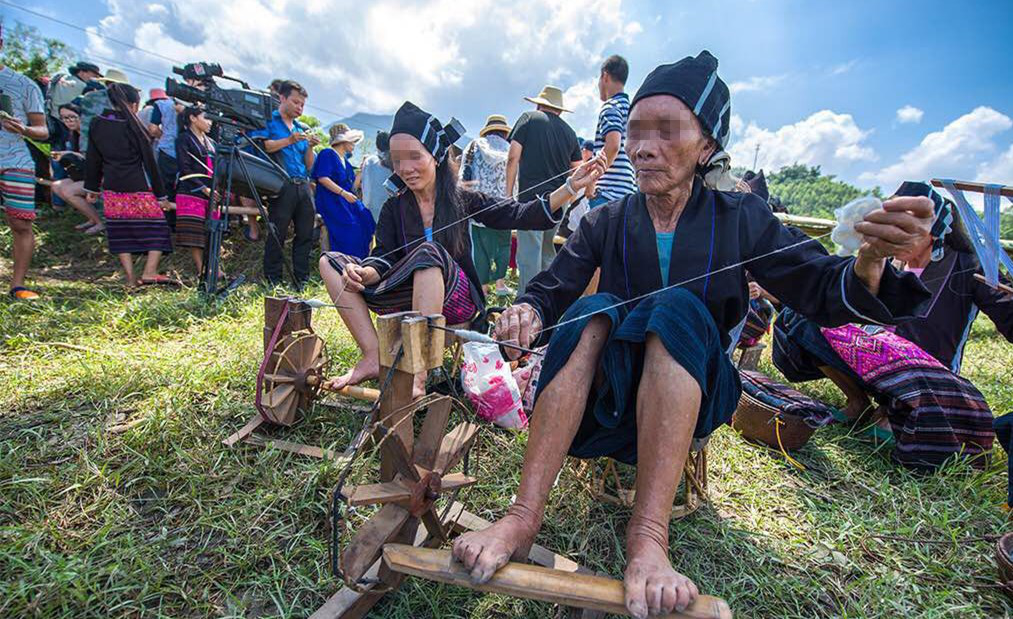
(365, 369)
(857, 411)
(652, 586)
(484, 552)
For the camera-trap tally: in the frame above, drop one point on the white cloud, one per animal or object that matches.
(844, 67)
(999, 170)
(468, 59)
(582, 98)
(757, 83)
(825, 138)
(909, 114)
(955, 152)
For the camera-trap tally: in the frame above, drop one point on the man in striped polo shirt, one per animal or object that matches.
(610, 136)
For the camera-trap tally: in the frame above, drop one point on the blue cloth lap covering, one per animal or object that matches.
(688, 332)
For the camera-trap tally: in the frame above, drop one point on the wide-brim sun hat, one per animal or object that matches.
(495, 122)
(114, 75)
(550, 96)
(352, 136)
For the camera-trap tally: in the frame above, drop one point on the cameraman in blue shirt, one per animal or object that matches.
(285, 135)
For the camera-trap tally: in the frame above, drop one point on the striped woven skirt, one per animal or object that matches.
(934, 413)
(135, 224)
(191, 230)
(393, 293)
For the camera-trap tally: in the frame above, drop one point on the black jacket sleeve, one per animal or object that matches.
(555, 289)
(823, 288)
(509, 214)
(996, 304)
(151, 168)
(386, 247)
(92, 162)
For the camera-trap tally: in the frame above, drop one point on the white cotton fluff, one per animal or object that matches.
(848, 241)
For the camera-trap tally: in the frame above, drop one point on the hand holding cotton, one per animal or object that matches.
(844, 235)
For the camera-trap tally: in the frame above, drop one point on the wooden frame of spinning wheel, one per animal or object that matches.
(413, 473)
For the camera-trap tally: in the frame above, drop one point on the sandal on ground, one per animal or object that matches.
(20, 293)
(84, 225)
(94, 229)
(158, 280)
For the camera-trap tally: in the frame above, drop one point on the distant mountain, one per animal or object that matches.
(368, 123)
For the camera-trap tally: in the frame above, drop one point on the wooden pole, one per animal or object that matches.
(534, 582)
(1006, 190)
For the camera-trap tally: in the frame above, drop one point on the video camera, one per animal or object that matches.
(244, 107)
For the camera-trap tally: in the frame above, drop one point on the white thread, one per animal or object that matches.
(684, 282)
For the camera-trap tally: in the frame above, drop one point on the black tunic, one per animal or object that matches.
(942, 329)
(191, 155)
(117, 160)
(715, 234)
(400, 229)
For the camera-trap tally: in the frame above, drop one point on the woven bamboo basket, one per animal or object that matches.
(763, 423)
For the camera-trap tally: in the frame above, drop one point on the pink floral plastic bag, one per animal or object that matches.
(490, 385)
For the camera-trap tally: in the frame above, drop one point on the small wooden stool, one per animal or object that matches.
(606, 485)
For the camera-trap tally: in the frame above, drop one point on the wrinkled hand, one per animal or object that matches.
(518, 324)
(14, 126)
(588, 173)
(357, 277)
(902, 225)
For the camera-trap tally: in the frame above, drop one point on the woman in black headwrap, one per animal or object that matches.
(422, 256)
(637, 381)
(913, 371)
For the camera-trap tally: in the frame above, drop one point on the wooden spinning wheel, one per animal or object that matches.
(422, 474)
(293, 375)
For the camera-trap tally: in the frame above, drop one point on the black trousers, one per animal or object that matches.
(168, 168)
(293, 204)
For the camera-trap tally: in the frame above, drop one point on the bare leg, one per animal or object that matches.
(127, 262)
(151, 265)
(72, 192)
(554, 423)
(198, 258)
(858, 405)
(355, 315)
(668, 403)
(427, 298)
(24, 247)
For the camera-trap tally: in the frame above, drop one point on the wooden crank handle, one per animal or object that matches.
(359, 393)
(537, 583)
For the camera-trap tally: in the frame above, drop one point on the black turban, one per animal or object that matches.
(757, 184)
(695, 82)
(435, 136)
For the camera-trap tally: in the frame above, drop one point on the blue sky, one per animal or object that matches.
(817, 82)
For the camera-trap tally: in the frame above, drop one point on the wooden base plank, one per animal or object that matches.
(536, 583)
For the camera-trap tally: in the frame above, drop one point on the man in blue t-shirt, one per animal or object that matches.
(610, 136)
(287, 136)
(162, 127)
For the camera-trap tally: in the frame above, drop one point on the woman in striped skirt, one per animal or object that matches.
(422, 256)
(194, 152)
(120, 166)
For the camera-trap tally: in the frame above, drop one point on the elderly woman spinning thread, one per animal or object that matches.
(638, 381)
(422, 256)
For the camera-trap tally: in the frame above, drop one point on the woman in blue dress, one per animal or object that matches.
(349, 225)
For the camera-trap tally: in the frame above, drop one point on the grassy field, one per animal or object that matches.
(117, 498)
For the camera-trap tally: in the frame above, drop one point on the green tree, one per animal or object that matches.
(805, 190)
(317, 129)
(27, 51)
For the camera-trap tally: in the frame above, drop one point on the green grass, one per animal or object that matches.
(163, 520)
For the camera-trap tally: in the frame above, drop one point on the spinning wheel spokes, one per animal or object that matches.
(421, 479)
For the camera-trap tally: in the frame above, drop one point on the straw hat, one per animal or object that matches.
(495, 122)
(353, 136)
(550, 96)
(115, 75)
